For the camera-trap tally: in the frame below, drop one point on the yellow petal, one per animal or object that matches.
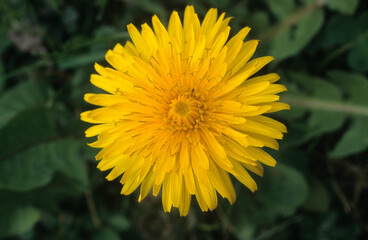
(98, 129)
(184, 203)
(250, 90)
(278, 106)
(239, 137)
(216, 150)
(209, 21)
(261, 155)
(222, 182)
(189, 180)
(257, 169)
(103, 99)
(141, 46)
(199, 155)
(247, 50)
(271, 77)
(243, 176)
(259, 128)
(146, 186)
(175, 29)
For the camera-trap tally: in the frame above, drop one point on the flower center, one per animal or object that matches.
(186, 112)
(182, 108)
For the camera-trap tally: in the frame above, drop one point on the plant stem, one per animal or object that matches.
(92, 208)
(326, 106)
(292, 19)
(360, 38)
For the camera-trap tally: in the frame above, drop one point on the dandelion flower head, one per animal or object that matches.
(182, 112)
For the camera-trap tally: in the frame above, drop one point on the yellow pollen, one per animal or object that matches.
(182, 108)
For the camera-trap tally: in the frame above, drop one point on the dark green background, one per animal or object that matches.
(50, 187)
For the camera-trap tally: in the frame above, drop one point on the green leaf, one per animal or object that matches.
(277, 228)
(287, 156)
(54, 4)
(2, 75)
(358, 57)
(316, 92)
(17, 220)
(104, 32)
(70, 18)
(355, 139)
(81, 85)
(151, 7)
(35, 166)
(328, 110)
(344, 34)
(82, 59)
(318, 199)
(339, 30)
(22, 96)
(347, 7)
(282, 8)
(247, 213)
(4, 43)
(260, 22)
(28, 127)
(221, 4)
(246, 231)
(120, 222)
(106, 234)
(282, 190)
(354, 85)
(293, 39)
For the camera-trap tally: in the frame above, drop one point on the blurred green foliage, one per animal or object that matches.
(49, 185)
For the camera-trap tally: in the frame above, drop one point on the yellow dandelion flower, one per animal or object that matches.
(182, 112)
